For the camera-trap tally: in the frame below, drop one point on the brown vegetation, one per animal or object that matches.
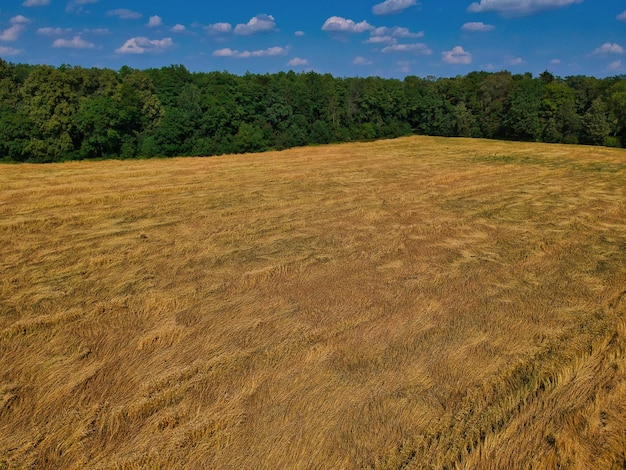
(416, 303)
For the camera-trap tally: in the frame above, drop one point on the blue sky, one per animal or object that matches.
(391, 38)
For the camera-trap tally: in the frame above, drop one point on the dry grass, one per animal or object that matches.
(416, 303)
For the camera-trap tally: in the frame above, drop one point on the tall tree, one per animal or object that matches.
(617, 109)
(523, 117)
(558, 113)
(493, 93)
(595, 124)
(50, 99)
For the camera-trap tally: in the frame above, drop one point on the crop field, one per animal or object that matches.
(412, 303)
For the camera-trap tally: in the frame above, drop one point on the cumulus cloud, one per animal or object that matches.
(622, 16)
(259, 24)
(154, 21)
(12, 33)
(19, 19)
(53, 31)
(614, 65)
(609, 48)
(219, 28)
(61, 31)
(555, 62)
(36, 3)
(418, 48)
(518, 7)
(142, 45)
(361, 61)
(343, 25)
(396, 32)
(10, 51)
(270, 52)
(391, 7)
(77, 5)
(124, 14)
(381, 40)
(457, 55)
(516, 61)
(75, 43)
(179, 28)
(297, 62)
(299, 33)
(479, 27)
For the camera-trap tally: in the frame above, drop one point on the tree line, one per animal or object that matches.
(50, 114)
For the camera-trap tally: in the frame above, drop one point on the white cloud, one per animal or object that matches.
(154, 21)
(179, 28)
(36, 3)
(518, 7)
(77, 5)
(124, 14)
(609, 48)
(141, 45)
(61, 31)
(555, 62)
(19, 19)
(75, 43)
(227, 52)
(457, 55)
(270, 52)
(12, 33)
(299, 33)
(615, 65)
(339, 24)
(391, 7)
(219, 28)
(258, 24)
(418, 48)
(622, 16)
(53, 31)
(479, 27)
(381, 40)
(361, 61)
(405, 33)
(397, 32)
(9, 51)
(297, 62)
(516, 61)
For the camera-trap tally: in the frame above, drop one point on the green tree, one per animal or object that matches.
(466, 123)
(558, 113)
(97, 125)
(617, 109)
(523, 117)
(169, 82)
(139, 94)
(493, 94)
(249, 138)
(49, 98)
(595, 124)
(16, 130)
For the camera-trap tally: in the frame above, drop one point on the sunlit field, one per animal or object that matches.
(412, 303)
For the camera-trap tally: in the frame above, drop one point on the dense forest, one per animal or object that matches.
(50, 114)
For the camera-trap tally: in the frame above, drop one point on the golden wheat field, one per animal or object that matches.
(411, 303)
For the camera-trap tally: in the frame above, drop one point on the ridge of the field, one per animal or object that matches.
(412, 303)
